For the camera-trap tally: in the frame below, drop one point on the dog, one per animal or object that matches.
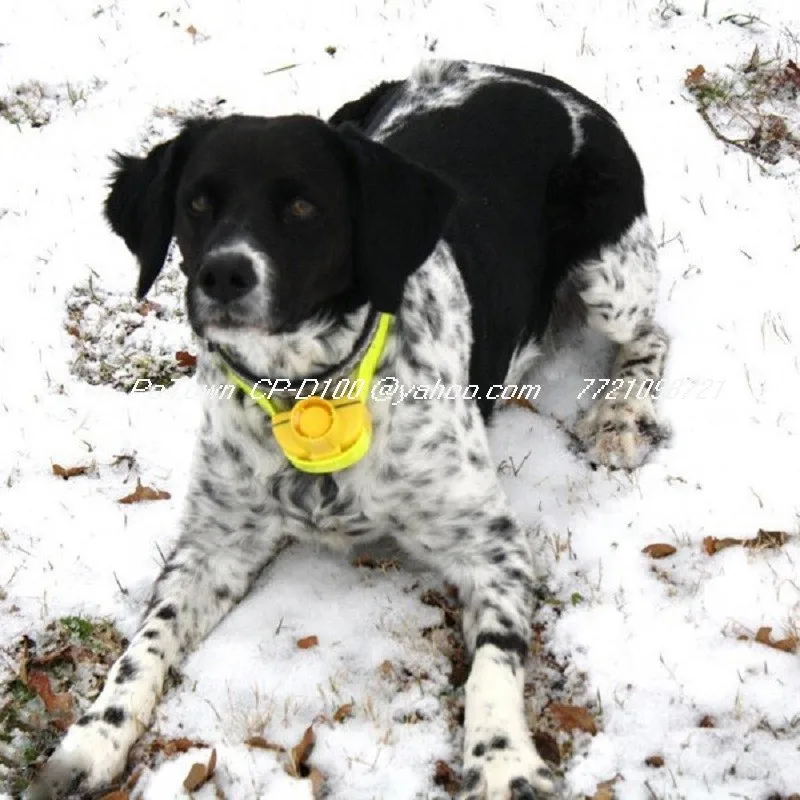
(431, 230)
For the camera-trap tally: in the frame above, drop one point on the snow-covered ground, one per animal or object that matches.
(662, 653)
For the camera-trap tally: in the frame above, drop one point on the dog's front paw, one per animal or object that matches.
(619, 434)
(499, 770)
(85, 761)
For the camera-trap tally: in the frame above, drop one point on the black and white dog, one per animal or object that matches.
(469, 202)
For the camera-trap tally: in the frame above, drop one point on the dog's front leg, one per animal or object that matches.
(490, 561)
(212, 567)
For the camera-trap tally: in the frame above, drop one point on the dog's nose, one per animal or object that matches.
(226, 278)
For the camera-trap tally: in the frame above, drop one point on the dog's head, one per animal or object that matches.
(280, 221)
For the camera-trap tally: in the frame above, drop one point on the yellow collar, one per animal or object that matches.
(318, 435)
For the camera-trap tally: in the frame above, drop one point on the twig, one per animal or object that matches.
(740, 143)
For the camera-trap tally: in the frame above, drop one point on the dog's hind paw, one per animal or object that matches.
(619, 434)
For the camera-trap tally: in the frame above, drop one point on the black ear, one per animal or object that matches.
(399, 213)
(141, 204)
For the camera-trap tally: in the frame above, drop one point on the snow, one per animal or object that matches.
(652, 652)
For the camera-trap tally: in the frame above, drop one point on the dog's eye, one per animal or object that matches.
(300, 209)
(199, 204)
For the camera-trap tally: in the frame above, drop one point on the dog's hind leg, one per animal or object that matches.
(619, 292)
(216, 559)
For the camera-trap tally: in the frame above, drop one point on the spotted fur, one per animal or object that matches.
(428, 479)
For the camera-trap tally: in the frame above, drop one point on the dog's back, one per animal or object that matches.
(545, 179)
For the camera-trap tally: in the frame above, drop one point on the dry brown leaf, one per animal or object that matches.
(68, 472)
(171, 747)
(659, 550)
(522, 403)
(54, 703)
(118, 795)
(696, 76)
(547, 746)
(763, 635)
(196, 778)
(605, 789)
(142, 493)
(300, 752)
(787, 645)
(146, 306)
(655, 761)
(446, 777)
(343, 712)
(59, 705)
(199, 774)
(707, 721)
(307, 642)
(713, 545)
(70, 652)
(386, 668)
(570, 717)
(262, 744)
(317, 782)
(185, 358)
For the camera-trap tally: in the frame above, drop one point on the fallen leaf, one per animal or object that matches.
(654, 761)
(445, 777)
(696, 76)
(570, 717)
(343, 712)
(707, 721)
(605, 789)
(365, 560)
(142, 493)
(118, 795)
(386, 668)
(59, 705)
(146, 306)
(262, 744)
(185, 359)
(763, 635)
(71, 652)
(547, 746)
(317, 782)
(300, 752)
(171, 747)
(522, 403)
(713, 545)
(196, 777)
(792, 73)
(68, 472)
(787, 645)
(659, 550)
(199, 774)
(307, 642)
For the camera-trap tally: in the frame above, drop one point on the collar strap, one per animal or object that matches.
(318, 435)
(369, 328)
